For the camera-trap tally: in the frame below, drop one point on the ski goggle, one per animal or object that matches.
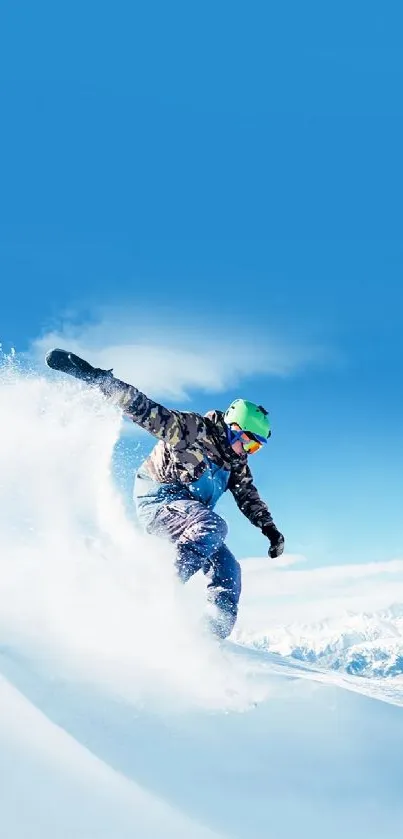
(251, 443)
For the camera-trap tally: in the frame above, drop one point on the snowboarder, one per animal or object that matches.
(196, 459)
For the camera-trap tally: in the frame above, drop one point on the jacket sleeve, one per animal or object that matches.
(177, 428)
(247, 497)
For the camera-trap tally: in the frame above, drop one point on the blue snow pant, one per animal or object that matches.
(198, 535)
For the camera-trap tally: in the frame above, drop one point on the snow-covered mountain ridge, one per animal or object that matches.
(363, 644)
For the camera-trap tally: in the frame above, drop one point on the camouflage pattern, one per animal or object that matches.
(186, 439)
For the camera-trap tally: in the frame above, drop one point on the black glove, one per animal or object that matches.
(276, 540)
(75, 366)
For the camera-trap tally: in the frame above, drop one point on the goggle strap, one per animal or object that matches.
(233, 436)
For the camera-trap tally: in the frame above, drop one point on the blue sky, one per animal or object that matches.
(234, 174)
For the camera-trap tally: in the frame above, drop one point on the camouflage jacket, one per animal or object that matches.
(186, 441)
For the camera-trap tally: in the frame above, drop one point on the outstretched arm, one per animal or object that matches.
(177, 428)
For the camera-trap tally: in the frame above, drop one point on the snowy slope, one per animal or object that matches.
(308, 756)
(51, 785)
(117, 715)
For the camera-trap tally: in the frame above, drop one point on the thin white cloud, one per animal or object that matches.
(273, 595)
(169, 358)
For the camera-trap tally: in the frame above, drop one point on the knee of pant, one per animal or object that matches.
(210, 528)
(219, 526)
(212, 523)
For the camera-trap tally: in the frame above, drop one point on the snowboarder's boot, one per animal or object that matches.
(220, 622)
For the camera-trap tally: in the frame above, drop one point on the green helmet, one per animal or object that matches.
(249, 417)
